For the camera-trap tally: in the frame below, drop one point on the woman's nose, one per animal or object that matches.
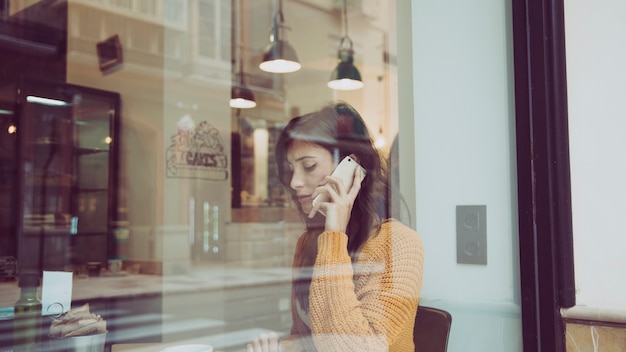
(296, 181)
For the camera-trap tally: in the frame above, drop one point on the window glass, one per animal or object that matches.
(174, 11)
(176, 216)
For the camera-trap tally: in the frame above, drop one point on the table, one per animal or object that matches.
(143, 347)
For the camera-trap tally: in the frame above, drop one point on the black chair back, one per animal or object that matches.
(432, 329)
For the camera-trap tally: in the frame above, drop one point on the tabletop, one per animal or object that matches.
(143, 347)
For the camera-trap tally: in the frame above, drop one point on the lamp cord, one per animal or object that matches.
(344, 16)
(279, 14)
(239, 47)
(241, 67)
(278, 22)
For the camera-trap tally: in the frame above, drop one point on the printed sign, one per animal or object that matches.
(8, 268)
(197, 151)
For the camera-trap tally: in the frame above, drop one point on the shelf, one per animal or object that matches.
(78, 150)
(48, 142)
(46, 230)
(92, 190)
(89, 151)
(50, 179)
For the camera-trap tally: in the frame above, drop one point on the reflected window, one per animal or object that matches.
(214, 24)
(174, 12)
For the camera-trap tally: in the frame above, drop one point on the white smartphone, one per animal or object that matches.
(344, 171)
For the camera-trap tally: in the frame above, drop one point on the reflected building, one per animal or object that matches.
(147, 163)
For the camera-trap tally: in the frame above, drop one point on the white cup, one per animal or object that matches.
(115, 265)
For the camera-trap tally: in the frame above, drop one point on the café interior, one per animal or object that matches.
(138, 175)
(128, 162)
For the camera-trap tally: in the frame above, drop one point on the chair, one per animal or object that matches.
(431, 330)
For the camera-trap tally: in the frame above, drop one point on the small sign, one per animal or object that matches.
(56, 292)
(8, 268)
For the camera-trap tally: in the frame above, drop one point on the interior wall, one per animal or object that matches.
(595, 34)
(141, 88)
(465, 155)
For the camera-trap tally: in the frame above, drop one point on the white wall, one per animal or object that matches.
(464, 152)
(596, 83)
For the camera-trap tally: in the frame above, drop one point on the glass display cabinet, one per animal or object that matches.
(67, 166)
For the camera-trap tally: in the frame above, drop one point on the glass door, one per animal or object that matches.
(93, 192)
(45, 133)
(66, 175)
(8, 179)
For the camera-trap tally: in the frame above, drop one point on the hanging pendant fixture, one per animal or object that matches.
(241, 96)
(345, 76)
(280, 56)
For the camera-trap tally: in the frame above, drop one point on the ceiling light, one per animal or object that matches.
(345, 76)
(280, 56)
(45, 101)
(241, 97)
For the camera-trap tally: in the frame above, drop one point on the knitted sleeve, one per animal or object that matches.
(369, 306)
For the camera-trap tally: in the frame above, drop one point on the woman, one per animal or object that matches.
(357, 274)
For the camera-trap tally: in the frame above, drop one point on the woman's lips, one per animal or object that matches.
(306, 199)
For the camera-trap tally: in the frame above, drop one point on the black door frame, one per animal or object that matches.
(544, 193)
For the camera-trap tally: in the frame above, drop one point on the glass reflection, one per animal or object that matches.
(141, 165)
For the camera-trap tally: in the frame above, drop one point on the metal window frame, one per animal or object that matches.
(544, 191)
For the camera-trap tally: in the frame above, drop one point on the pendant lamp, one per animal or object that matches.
(345, 76)
(280, 56)
(241, 96)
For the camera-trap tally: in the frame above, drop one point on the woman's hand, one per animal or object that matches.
(266, 342)
(339, 208)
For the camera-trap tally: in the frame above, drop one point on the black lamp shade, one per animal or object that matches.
(345, 76)
(280, 57)
(241, 97)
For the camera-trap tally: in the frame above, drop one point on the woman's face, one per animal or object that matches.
(310, 164)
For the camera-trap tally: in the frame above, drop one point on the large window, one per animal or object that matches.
(204, 230)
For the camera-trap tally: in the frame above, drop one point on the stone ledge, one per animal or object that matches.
(595, 316)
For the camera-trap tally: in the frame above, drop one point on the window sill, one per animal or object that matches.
(594, 316)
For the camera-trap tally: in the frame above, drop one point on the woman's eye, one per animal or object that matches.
(310, 167)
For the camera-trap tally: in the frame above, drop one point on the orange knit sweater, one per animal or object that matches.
(369, 306)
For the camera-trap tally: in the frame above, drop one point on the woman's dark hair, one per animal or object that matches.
(340, 129)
